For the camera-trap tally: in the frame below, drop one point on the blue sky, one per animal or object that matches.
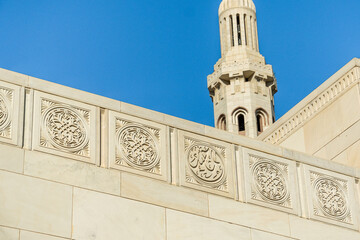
(157, 54)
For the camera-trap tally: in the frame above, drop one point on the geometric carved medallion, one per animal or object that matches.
(205, 164)
(269, 181)
(138, 146)
(6, 97)
(330, 197)
(65, 128)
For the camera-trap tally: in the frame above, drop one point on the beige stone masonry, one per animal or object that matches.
(33, 204)
(345, 140)
(313, 230)
(350, 156)
(260, 235)
(163, 194)
(24, 235)
(208, 182)
(333, 123)
(261, 218)
(11, 158)
(119, 218)
(319, 99)
(68, 171)
(9, 233)
(185, 226)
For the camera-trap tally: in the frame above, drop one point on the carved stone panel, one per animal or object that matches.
(331, 197)
(9, 113)
(138, 146)
(65, 128)
(270, 181)
(206, 164)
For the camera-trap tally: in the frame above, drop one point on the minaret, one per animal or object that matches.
(242, 85)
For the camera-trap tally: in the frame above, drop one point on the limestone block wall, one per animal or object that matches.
(78, 166)
(325, 124)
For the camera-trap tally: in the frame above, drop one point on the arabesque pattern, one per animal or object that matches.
(205, 164)
(139, 147)
(270, 181)
(330, 197)
(65, 128)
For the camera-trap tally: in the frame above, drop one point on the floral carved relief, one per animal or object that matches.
(330, 197)
(138, 146)
(6, 98)
(65, 128)
(205, 164)
(269, 181)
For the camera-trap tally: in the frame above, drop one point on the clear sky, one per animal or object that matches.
(157, 54)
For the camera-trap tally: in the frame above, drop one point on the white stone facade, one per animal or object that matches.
(110, 170)
(77, 166)
(326, 123)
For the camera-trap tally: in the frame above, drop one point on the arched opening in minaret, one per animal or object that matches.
(221, 124)
(251, 33)
(238, 29)
(245, 24)
(239, 119)
(262, 120)
(232, 31)
(259, 123)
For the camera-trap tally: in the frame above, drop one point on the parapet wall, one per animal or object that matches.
(75, 165)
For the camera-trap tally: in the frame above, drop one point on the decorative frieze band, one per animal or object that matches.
(72, 129)
(306, 113)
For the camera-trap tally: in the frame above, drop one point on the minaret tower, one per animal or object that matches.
(242, 85)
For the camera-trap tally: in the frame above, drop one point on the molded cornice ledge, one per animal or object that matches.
(309, 107)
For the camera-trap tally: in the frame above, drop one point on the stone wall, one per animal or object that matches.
(326, 123)
(74, 165)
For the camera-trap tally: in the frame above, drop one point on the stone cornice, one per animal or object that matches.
(315, 102)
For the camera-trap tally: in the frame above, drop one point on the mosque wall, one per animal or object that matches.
(327, 123)
(74, 165)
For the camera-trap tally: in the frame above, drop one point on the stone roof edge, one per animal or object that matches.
(37, 84)
(307, 101)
